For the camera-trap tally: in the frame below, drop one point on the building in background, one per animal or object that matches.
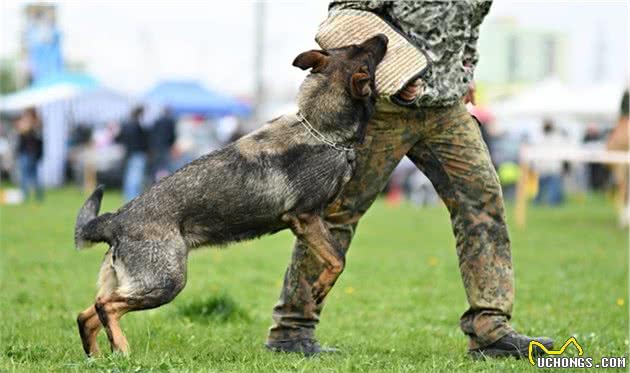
(41, 41)
(514, 56)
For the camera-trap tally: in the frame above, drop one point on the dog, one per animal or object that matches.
(281, 176)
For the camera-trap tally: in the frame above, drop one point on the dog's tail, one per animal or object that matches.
(91, 228)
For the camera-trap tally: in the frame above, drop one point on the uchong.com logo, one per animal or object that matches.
(554, 358)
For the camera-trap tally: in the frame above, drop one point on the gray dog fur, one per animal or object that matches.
(278, 177)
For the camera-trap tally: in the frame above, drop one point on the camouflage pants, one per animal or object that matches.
(446, 144)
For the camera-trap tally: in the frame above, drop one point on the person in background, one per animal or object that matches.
(618, 141)
(597, 173)
(134, 139)
(162, 140)
(29, 153)
(550, 183)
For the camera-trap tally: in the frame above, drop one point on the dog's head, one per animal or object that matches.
(352, 66)
(339, 94)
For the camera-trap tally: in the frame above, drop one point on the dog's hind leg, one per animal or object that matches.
(109, 310)
(149, 274)
(312, 229)
(88, 321)
(89, 326)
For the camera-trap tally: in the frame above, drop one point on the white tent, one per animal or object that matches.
(553, 98)
(34, 97)
(63, 103)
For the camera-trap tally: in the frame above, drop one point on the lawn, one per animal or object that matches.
(395, 309)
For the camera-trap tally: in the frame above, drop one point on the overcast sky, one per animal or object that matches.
(129, 45)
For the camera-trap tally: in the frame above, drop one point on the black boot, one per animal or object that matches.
(512, 344)
(306, 346)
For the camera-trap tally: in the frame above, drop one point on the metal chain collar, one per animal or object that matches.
(318, 135)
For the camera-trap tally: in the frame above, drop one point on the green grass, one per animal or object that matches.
(396, 308)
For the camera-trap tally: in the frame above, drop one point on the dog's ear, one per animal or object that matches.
(360, 83)
(316, 59)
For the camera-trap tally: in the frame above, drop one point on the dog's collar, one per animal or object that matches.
(318, 135)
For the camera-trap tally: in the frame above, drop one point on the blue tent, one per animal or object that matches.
(190, 97)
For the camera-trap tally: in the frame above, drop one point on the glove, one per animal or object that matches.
(403, 64)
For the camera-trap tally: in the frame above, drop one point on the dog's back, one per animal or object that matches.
(241, 191)
(238, 192)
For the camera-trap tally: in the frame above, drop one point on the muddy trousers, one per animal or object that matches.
(446, 145)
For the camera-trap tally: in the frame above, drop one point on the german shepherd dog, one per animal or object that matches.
(280, 176)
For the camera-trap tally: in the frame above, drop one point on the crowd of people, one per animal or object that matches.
(145, 149)
(151, 152)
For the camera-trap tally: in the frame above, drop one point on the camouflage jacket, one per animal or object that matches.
(446, 30)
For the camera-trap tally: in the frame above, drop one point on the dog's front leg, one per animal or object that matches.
(312, 229)
(110, 309)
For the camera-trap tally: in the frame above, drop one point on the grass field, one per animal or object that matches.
(395, 309)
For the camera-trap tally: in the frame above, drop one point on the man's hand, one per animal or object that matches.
(470, 96)
(411, 90)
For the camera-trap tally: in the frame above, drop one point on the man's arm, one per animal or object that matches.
(471, 54)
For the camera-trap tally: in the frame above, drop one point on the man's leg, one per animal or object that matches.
(134, 176)
(453, 155)
(37, 186)
(24, 176)
(296, 314)
(556, 190)
(543, 190)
